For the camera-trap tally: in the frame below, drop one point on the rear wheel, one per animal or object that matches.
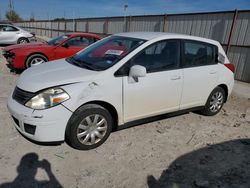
(89, 127)
(35, 59)
(22, 40)
(215, 102)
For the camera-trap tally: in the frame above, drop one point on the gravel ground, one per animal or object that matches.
(183, 151)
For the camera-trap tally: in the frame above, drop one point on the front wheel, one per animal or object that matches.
(35, 59)
(215, 102)
(89, 127)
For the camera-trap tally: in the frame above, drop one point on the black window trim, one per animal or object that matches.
(119, 73)
(16, 29)
(182, 64)
(74, 37)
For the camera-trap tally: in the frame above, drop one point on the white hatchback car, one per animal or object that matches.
(118, 81)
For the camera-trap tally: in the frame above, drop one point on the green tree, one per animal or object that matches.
(13, 16)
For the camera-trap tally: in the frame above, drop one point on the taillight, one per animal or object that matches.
(230, 66)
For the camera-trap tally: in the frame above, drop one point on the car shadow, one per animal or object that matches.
(224, 165)
(27, 170)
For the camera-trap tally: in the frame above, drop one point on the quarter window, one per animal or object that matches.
(198, 54)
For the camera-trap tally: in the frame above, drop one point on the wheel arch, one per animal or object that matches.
(225, 88)
(34, 53)
(112, 110)
(22, 37)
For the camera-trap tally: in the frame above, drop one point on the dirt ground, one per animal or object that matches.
(183, 151)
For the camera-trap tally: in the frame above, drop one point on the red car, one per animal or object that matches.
(22, 56)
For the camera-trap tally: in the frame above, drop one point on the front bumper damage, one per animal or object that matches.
(9, 56)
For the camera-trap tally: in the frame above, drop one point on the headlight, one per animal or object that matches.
(47, 99)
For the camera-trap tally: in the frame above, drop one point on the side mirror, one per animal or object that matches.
(135, 72)
(65, 45)
(221, 58)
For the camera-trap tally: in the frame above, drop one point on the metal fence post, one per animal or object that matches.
(51, 29)
(231, 31)
(75, 26)
(106, 26)
(87, 26)
(129, 23)
(165, 23)
(58, 27)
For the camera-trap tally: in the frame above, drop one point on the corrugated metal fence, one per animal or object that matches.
(230, 28)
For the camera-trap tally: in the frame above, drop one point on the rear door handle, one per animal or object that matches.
(176, 77)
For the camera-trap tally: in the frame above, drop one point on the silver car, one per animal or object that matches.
(10, 34)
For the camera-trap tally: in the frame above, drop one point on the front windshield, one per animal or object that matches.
(57, 40)
(105, 53)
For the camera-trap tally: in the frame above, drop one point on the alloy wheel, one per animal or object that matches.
(216, 101)
(37, 61)
(23, 41)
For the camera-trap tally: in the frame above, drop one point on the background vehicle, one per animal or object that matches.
(118, 81)
(10, 34)
(23, 56)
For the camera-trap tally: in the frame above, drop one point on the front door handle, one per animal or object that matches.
(176, 77)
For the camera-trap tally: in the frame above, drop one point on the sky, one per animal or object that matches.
(50, 9)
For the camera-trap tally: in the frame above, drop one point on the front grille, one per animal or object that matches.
(31, 129)
(22, 96)
(16, 121)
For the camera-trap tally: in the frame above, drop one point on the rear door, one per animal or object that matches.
(200, 71)
(160, 91)
(72, 46)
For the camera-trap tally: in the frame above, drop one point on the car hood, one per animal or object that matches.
(51, 74)
(26, 46)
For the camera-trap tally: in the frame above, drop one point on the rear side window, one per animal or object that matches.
(198, 54)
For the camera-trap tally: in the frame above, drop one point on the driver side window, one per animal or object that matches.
(79, 41)
(160, 56)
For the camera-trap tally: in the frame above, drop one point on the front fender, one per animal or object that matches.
(86, 92)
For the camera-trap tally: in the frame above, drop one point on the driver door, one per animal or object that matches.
(160, 91)
(71, 47)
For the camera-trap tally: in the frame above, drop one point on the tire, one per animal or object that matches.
(22, 40)
(35, 59)
(214, 102)
(82, 128)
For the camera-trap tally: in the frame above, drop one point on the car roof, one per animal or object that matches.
(82, 34)
(161, 35)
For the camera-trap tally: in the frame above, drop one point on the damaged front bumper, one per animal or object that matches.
(9, 56)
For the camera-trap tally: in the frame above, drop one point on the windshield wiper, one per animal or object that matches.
(81, 63)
